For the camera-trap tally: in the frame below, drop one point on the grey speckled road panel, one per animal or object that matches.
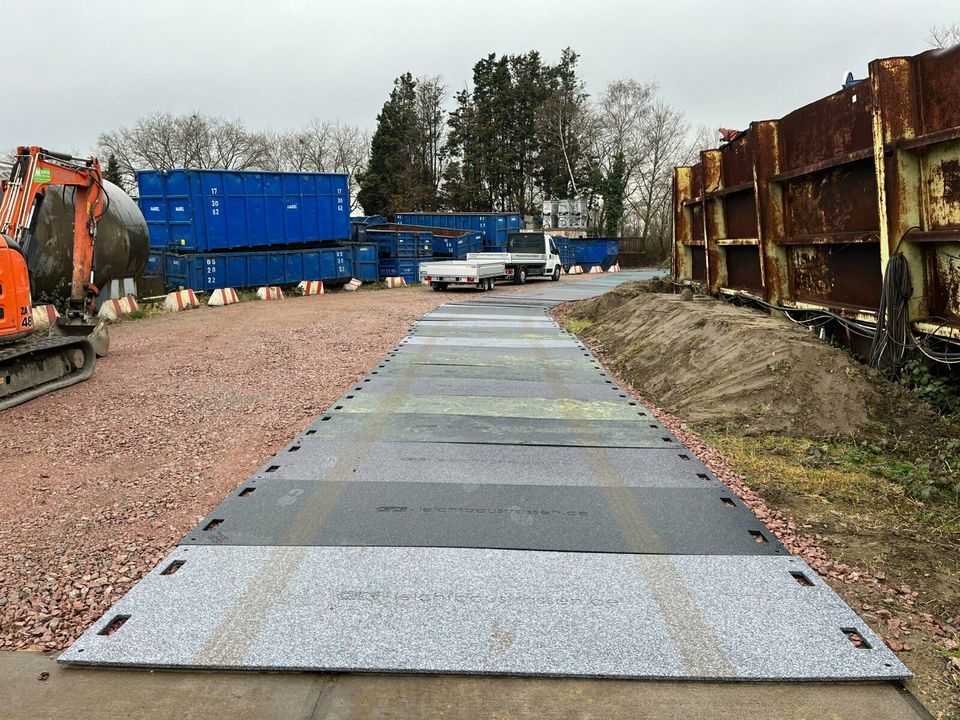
(312, 457)
(420, 427)
(677, 521)
(499, 407)
(536, 334)
(509, 612)
(548, 343)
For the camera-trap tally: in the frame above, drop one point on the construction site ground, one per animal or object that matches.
(852, 472)
(189, 404)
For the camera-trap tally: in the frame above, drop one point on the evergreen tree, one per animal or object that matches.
(512, 139)
(400, 174)
(112, 172)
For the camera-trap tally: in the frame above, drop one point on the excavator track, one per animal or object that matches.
(29, 369)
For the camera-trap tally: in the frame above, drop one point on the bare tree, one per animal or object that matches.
(431, 96)
(322, 146)
(163, 141)
(942, 36)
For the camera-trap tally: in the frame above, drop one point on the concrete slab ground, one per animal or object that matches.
(110, 694)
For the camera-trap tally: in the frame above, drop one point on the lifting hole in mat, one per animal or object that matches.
(758, 537)
(682, 456)
(703, 476)
(728, 502)
(349, 397)
(311, 432)
(273, 468)
(801, 578)
(324, 418)
(114, 625)
(338, 407)
(213, 525)
(294, 448)
(667, 439)
(246, 491)
(856, 639)
(172, 568)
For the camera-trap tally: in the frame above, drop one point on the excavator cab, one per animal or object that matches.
(16, 310)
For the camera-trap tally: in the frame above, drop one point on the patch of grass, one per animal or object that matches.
(863, 477)
(779, 368)
(577, 325)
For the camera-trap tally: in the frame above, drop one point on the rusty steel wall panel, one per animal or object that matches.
(942, 262)
(821, 274)
(740, 210)
(832, 127)
(743, 268)
(699, 260)
(736, 161)
(939, 79)
(696, 212)
(940, 169)
(839, 200)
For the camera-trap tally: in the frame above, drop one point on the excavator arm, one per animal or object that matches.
(34, 170)
(31, 366)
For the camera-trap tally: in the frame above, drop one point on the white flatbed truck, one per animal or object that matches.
(529, 254)
(476, 270)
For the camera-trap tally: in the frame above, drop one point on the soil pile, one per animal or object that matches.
(711, 362)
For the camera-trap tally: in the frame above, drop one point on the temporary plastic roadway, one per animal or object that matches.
(488, 501)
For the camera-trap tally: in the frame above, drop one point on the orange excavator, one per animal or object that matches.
(32, 365)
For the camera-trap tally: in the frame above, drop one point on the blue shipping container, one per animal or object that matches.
(457, 247)
(361, 223)
(399, 243)
(588, 252)
(220, 210)
(407, 268)
(208, 271)
(365, 265)
(496, 227)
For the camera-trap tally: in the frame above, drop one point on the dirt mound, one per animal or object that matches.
(711, 362)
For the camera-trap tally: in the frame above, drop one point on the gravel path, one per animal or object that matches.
(101, 479)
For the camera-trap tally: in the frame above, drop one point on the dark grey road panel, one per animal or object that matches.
(443, 610)
(313, 457)
(498, 387)
(678, 521)
(418, 427)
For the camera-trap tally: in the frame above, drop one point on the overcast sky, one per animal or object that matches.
(75, 69)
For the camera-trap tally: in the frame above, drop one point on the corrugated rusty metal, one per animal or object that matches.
(814, 204)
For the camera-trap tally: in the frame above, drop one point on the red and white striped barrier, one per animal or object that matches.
(311, 287)
(270, 292)
(223, 296)
(575, 270)
(44, 316)
(562, 271)
(114, 308)
(354, 284)
(180, 300)
(614, 268)
(595, 269)
(395, 282)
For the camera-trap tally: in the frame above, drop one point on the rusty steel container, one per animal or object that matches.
(121, 250)
(807, 210)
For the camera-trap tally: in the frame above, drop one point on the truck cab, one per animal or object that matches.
(531, 254)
